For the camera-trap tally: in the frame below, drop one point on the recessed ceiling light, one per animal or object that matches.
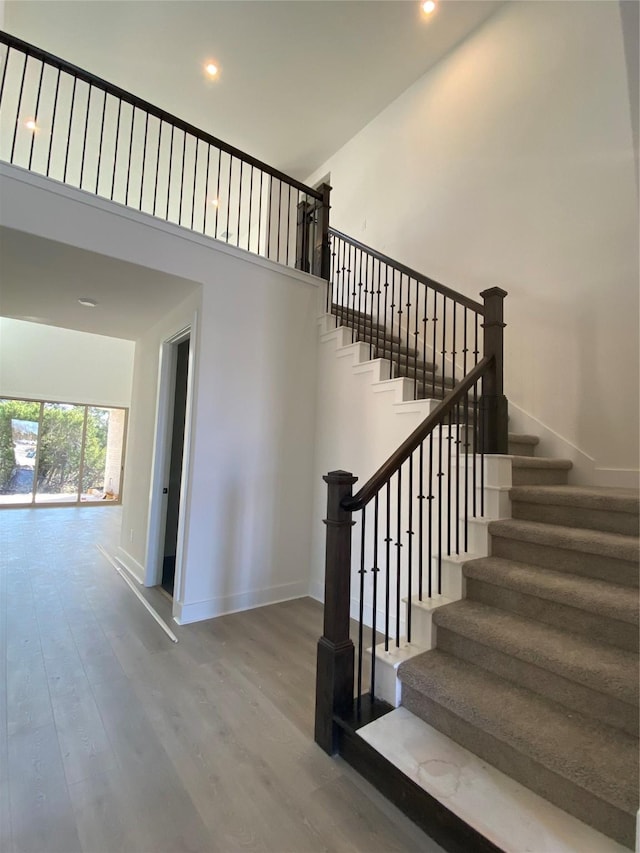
(87, 302)
(428, 7)
(211, 68)
(30, 124)
(213, 201)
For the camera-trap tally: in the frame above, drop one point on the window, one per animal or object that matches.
(60, 453)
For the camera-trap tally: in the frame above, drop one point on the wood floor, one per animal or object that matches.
(112, 738)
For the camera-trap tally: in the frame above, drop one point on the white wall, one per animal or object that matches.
(48, 363)
(350, 396)
(249, 500)
(511, 164)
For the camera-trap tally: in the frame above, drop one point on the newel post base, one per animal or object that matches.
(335, 661)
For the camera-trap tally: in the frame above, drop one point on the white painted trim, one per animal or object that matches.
(183, 506)
(209, 609)
(20, 175)
(135, 569)
(316, 591)
(161, 460)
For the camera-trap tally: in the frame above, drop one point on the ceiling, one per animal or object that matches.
(42, 281)
(297, 80)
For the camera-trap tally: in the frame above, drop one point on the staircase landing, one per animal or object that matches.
(505, 812)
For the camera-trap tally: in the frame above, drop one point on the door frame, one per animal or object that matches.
(162, 458)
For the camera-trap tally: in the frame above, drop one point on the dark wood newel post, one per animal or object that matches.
(334, 673)
(321, 251)
(303, 254)
(493, 403)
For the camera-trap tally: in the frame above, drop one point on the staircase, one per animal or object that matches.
(536, 670)
(429, 382)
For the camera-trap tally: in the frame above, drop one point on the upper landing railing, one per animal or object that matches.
(63, 122)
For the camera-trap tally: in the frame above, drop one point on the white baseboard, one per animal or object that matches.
(135, 569)
(184, 614)
(622, 478)
(316, 590)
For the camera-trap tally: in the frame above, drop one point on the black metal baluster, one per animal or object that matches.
(250, 206)
(410, 548)
(207, 200)
(268, 244)
(421, 498)
(279, 216)
(144, 157)
(86, 131)
(393, 307)
(398, 558)
(66, 159)
(476, 352)
(444, 344)
(229, 198)
(288, 223)
(362, 572)
(53, 122)
(35, 118)
(408, 320)
(260, 210)
(115, 153)
(357, 320)
(440, 476)
(4, 74)
(430, 517)
(482, 447)
(415, 346)
(386, 310)
(449, 455)
(457, 516)
(169, 172)
(374, 605)
(467, 427)
(239, 203)
(464, 344)
(215, 227)
(424, 342)
(15, 130)
(155, 188)
(475, 449)
(133, 124)
(378, 294)
(195, 177)
(434, 350)
(387, 584)
(399, 312)
(104, 110)
(184, 157)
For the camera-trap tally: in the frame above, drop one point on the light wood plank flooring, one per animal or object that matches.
(112, 738)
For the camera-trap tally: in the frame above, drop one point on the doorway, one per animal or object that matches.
(176, 456)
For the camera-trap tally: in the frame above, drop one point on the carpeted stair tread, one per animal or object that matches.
(589, 497)
(524, 438)
(595, 596)
(540, 462)
(591, 755)
(612, 545)
(599, 667)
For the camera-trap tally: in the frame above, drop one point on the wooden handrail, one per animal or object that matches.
(393, 463)
(478, 307)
